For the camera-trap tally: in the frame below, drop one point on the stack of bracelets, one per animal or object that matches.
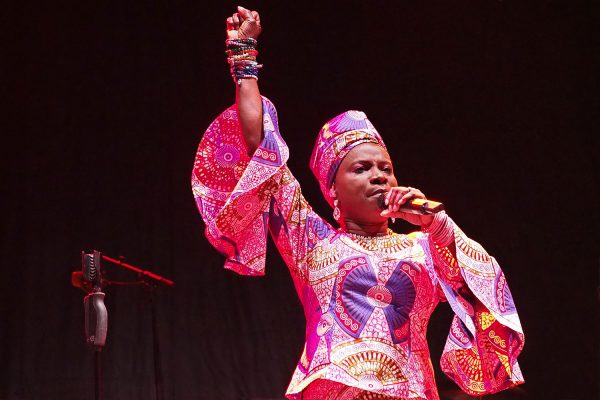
(241, 56)
(441, 230)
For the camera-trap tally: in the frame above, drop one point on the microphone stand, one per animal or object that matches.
(144, 274)
(98, 392)
(150, 281)
(158, 377)
(97, 316)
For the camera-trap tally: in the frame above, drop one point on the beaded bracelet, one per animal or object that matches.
(241, 56)
(441, 229)
(241, 41)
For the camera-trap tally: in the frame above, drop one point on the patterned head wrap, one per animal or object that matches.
(337, 137)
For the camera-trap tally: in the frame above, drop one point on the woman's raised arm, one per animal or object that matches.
(243, 28)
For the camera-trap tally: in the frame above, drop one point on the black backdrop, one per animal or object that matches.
(486, 106)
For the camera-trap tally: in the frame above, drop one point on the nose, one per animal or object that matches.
(378, 177)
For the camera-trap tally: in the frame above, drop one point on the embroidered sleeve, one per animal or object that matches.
(485, 336)
(241, 198)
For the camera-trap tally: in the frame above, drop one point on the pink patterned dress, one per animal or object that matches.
(367, 301)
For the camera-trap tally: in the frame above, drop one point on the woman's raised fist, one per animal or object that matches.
(243, 24)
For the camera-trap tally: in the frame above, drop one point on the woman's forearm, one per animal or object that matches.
(249, 105)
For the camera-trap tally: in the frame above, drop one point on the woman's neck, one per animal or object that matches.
(364, 229)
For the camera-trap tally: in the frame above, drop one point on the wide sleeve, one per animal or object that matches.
(485, 337)
(242, 198)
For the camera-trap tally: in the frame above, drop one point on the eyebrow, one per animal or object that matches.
(368, 161)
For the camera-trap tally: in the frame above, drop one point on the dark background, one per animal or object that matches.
(489, 106)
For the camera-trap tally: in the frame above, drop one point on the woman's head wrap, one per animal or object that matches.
(337, 137)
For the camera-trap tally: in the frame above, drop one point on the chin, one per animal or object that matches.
(376, 218)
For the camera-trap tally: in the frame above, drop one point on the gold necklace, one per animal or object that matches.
(388, 243)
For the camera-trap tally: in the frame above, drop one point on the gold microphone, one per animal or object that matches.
(415, 206)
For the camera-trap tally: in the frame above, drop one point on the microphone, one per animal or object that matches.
(96, 320)
(414, 206)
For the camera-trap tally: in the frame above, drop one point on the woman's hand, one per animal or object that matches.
(399, 195)
(243, 24)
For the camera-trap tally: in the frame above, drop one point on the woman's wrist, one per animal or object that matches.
(241, 56)
(441, 229)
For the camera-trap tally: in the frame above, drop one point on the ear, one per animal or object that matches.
(332, 191)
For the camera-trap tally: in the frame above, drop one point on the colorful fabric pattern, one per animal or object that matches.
(336, 138)
(367, 300)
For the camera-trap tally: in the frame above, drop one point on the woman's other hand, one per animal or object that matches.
(243, 24)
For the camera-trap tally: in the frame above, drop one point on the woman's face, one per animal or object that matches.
(363, 175)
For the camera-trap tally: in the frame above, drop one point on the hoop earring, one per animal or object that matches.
(336, 211)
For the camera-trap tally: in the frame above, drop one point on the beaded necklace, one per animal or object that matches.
(388, 243)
